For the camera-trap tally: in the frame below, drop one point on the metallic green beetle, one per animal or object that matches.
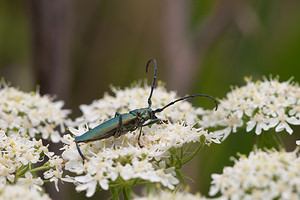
(123, 123)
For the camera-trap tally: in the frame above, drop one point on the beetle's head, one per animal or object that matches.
(152, 114)
(146, 113)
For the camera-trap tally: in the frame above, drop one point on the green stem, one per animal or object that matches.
(149, 188)
(190, 157)
(40, 168)
(179, 175)
(187, 149)
(143, 182)
(114, 193)
(181, 151)
(278, 141)
(126, 193)
(23, 170)
(178, 160)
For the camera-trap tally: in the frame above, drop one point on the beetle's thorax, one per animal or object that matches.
(143, 113)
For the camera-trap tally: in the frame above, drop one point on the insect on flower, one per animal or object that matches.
(123, 123)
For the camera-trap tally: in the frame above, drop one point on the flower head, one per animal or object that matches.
(30, 113)
(171, 195)
(127, 161)
(113, 159)
(31, 182)
(261, 175)
(18, 192)
(17, 153)
(258, 106)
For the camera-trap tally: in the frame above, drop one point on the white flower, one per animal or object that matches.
(121, 159)
(55, 173)
(260, 106)
(281, 122)
(29, 181)
(167, 176)
(30, 113)
(17, 152)
(260, 121)
(17, 192)
(89, 183)
(56, 162)
(170, 195)
(261, 175)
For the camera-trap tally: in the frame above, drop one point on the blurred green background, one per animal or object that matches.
(76, 49)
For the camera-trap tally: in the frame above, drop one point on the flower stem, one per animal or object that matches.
(46, 166)
(191, 156)
(187, 149)
(23, 170)
(114, 193)
(126, 193)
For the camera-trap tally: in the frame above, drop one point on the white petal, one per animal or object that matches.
(293, 120)
(84, 179)
(250, 125)
(283, 125)
(91, 189)
(258, 129)
(104, 184)
(273, 122)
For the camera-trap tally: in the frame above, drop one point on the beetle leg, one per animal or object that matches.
(147, 124)
(119, 129)
(117, 114)
(141, 146)
(79, 151)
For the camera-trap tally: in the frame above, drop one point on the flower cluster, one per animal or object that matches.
(171, 195)
(21, 157)
(17, 192)
(262, 175)
(17, 155)
(30, 113)
(110, 160)
(258, 106)
(127, 161)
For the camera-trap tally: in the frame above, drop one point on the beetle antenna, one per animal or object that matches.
(186, 97)
(154, 78)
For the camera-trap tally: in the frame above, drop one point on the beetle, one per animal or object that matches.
(123, 123)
